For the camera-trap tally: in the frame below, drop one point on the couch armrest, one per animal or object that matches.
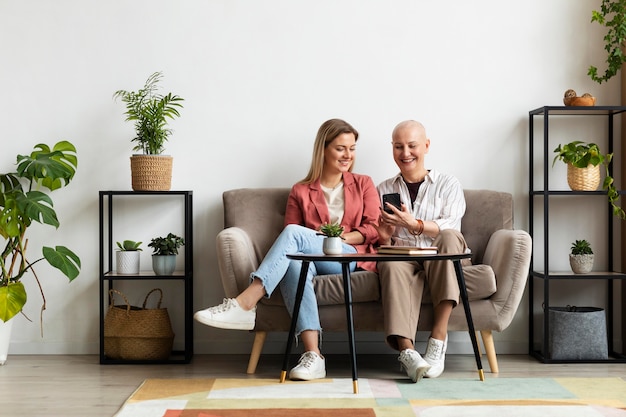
(236, 260)
(508, 253)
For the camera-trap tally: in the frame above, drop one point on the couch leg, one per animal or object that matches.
(490, 349)
(257, 347)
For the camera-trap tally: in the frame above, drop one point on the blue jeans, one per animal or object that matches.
(276, 269)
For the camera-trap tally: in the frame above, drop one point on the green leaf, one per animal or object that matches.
(51, 168)
(12, 300)
(63, 259)
(38, 207)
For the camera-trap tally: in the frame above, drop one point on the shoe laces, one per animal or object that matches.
(406, 357)
(435, 350)
(227, 304)
(306, 360)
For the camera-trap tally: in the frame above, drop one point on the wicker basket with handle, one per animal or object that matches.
(137, 333)
(583, 179)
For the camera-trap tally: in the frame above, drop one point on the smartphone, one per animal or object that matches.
(393, 199)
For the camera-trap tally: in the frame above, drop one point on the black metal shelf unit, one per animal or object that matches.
(544, 273)
(108, 277)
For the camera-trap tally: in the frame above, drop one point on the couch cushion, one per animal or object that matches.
(487, 211)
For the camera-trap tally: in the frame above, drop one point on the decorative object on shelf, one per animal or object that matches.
(137, 333)
(577, 333)
(127, 257)
(571, 99)
(612, 15)
(332, 242)
(164, 253)
(150, 112)
(581, 257)
(583, 170)
(23, 201)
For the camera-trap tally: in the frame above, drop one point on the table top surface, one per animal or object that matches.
(377, 257)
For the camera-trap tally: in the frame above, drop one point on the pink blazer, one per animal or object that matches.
(307, 207)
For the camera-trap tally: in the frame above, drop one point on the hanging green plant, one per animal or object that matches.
(612, 15)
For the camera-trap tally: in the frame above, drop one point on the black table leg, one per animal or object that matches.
(468, 315)
(347, 291)
(294, 318)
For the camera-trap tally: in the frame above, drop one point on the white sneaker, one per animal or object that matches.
(310, 366)
(414, 365)
(228, 315)
(436, 356)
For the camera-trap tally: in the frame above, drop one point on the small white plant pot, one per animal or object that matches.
(163, 264)
(127, 262)
(581, 264)
(5, 339)
(332, 246)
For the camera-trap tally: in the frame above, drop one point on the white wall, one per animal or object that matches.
(259, 77)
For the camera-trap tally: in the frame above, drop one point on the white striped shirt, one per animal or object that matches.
(440, 199)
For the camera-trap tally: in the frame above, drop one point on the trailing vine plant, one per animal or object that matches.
(612, 15)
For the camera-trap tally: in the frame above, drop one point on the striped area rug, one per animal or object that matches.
(510, 397)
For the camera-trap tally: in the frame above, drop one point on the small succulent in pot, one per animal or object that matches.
(581, 247)
(129, 245)
(581, 257)
(331, 229)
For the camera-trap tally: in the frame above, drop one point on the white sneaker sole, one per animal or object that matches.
(420, 373)
(221, 324)
(294, 376)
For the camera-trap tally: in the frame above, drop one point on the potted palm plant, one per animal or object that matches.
(583, 170)
(164, 253)
(127, 257)
(24, 201)
(150, 112)
(332, 240)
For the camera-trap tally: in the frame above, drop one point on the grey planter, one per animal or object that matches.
(163, 264)
(581, 264)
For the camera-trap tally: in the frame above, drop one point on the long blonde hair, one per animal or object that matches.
(328, 131)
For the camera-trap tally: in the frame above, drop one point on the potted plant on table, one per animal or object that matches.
(164, 253)
(581, 257)
(150, 112)
(583, 170)
(127, 257)
(23, 201)
(332, 241)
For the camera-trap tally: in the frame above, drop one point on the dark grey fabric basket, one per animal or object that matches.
(577, 333)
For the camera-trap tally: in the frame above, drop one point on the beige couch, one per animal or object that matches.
(253, 218)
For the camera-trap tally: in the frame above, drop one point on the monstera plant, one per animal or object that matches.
(24, 201)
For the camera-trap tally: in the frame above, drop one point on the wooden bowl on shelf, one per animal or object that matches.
(580, 101)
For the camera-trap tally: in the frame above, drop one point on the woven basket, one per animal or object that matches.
(151, 172)
(137, 333)
(583, 179)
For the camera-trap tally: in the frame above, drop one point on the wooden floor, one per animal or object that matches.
(77, 385)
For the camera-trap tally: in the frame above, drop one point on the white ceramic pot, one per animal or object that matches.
(332, 246)
(581, 264)
(127, 262)
(5, 339)
(163, 264)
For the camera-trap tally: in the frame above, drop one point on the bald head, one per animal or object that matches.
(409, 126)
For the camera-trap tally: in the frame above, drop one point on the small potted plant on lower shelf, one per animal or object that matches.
(127, 257)
(164, 253)
(581, 257)
(332, 241)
